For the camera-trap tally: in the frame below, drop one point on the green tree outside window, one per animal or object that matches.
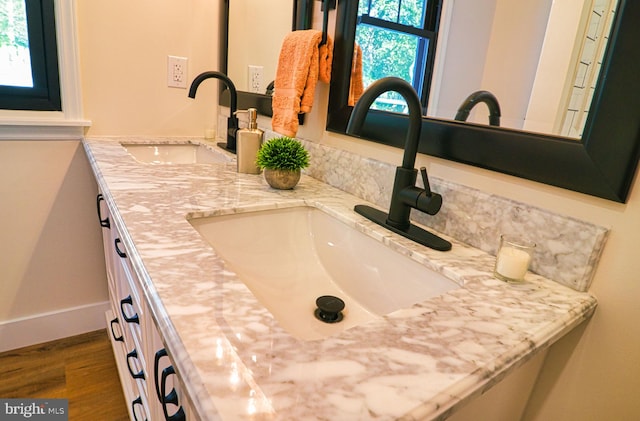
(15, 60)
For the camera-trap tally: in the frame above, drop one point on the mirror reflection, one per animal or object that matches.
(256, 31)
(539, 59)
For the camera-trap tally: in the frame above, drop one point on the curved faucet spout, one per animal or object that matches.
(476, 98)
(387, 84)
(405, 195)
(232, 122)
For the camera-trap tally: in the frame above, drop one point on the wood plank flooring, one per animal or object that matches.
(81, 369)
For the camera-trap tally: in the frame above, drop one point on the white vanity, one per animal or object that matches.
(233, 360)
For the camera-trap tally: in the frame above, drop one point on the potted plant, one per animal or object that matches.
(282, 158)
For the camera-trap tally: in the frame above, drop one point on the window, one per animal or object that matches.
(398, 38)
(29, 76)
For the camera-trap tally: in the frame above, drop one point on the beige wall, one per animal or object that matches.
(123, 62)
(52, 279)
(251, 19)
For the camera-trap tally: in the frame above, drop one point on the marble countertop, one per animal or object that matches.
(237, 363)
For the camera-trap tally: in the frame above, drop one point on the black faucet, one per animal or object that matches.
(232, 121)
(405, 195)
(476, 98)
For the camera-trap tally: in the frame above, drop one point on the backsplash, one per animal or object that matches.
(567, 249)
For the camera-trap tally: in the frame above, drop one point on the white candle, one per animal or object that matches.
(512, 263)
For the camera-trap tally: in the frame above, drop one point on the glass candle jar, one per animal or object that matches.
(513, 258)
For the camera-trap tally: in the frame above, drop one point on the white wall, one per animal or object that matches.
(489, 45)
(512, 58)
(459, 72)
(559, 57)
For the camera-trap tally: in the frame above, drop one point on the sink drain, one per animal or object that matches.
(329, 309)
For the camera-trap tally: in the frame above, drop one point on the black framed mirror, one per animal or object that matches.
(603, 164)
(301, 13)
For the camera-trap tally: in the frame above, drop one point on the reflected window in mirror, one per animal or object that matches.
(539, 58)
(592, 44)
(396, 38)
(602, 163)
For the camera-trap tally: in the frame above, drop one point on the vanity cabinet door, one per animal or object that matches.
(149, 381)
(132, 313)
(125, 318)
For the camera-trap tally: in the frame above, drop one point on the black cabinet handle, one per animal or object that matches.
(120, 253)
(171, 398)
(104, 222)
(136, 401)
(139, 374)
(156, 371)
(132, 319)
(113, 333)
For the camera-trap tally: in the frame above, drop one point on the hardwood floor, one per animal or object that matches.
(81, 369)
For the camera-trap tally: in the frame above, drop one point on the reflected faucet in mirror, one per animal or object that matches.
(232, 121)
(405, 195)
(476, 98)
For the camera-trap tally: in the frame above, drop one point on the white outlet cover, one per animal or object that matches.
(255, 78)
(177, 72)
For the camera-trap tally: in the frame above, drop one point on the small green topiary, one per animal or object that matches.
(282, 153)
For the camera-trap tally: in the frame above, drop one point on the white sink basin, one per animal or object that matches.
(179, 153)
(289, 257)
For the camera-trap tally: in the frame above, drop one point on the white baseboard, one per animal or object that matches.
(45, 327)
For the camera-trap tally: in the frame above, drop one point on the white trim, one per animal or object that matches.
(68, 59)
(50, 326)
(68, 123)
(440, 57)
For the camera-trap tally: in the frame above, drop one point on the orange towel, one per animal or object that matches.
(301, 63)
(356, 87)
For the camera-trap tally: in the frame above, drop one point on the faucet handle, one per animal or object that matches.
(427, 200)
(425, 181)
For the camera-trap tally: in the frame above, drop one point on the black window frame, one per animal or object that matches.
(43, 49)
(429, 31)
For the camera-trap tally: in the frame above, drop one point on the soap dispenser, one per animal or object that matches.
(248, 142)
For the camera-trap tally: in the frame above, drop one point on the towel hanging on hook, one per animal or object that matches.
(325, 7)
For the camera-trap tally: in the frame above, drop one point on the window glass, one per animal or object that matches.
(385, 10)
(29, 79)
(15, 60)
(412, 13)
(397, 38)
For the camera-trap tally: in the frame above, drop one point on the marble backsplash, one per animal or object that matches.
(567, 249)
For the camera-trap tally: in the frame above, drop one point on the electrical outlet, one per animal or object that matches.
(255, 79)
(177, 72)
